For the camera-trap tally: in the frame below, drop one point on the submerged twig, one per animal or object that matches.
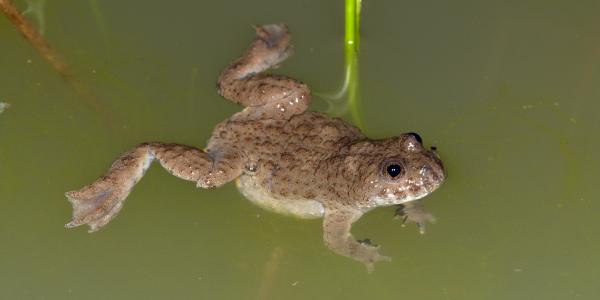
(42, 46)
(34, 37)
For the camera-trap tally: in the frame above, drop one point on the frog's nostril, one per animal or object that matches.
(417, 137)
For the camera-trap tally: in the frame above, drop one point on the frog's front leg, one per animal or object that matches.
(414, 211)
(336, 233)
(264, 96)
(96, 204)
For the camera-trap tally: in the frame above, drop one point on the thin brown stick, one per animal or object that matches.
(32, 35)
(35, 38)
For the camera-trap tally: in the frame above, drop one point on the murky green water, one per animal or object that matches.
(507, 90)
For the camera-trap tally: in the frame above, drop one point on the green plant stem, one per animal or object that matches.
(351, 48)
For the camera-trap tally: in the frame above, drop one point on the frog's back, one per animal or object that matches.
(311, 131)
(282, 158)
(320, 132)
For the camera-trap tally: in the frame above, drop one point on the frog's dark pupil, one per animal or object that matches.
(394, 170)
(417, 137)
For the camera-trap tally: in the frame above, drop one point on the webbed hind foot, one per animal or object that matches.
(99, 202)
(95, 205)
(276, 38)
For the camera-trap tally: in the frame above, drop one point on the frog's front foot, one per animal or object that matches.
(373, 254)
(95, 204)
(414, 212)
(369, 255)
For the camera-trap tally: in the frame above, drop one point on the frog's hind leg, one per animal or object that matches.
(264, 96)
(96, 204)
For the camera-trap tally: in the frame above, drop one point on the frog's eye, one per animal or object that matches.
(393, 169)
(416, 136)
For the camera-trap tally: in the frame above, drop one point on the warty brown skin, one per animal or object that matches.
(286, 159)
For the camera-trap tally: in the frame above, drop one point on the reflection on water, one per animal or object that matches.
(272, 268)
(506, 91)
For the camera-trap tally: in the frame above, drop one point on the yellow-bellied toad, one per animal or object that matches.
(284, 158)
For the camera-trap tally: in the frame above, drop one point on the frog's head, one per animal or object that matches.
(402, 170)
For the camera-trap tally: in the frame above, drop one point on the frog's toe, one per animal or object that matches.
(367, 241)
(419, 217)
(373, 258)
(94, 207)
(275, 35)
(277, 40)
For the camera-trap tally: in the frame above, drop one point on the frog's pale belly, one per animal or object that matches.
(301, 208)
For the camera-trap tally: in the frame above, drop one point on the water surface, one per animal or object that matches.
(507, 90)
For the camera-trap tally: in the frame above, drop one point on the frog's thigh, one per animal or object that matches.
(301, 208)
(272, 97)
(264, 96)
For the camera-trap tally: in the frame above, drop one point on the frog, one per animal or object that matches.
(283, 158)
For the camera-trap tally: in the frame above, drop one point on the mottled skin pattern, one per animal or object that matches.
(286, 159)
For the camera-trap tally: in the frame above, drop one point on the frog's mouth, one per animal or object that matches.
(428, 179)
(412, 189)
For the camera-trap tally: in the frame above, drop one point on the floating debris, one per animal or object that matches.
(3, 106)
